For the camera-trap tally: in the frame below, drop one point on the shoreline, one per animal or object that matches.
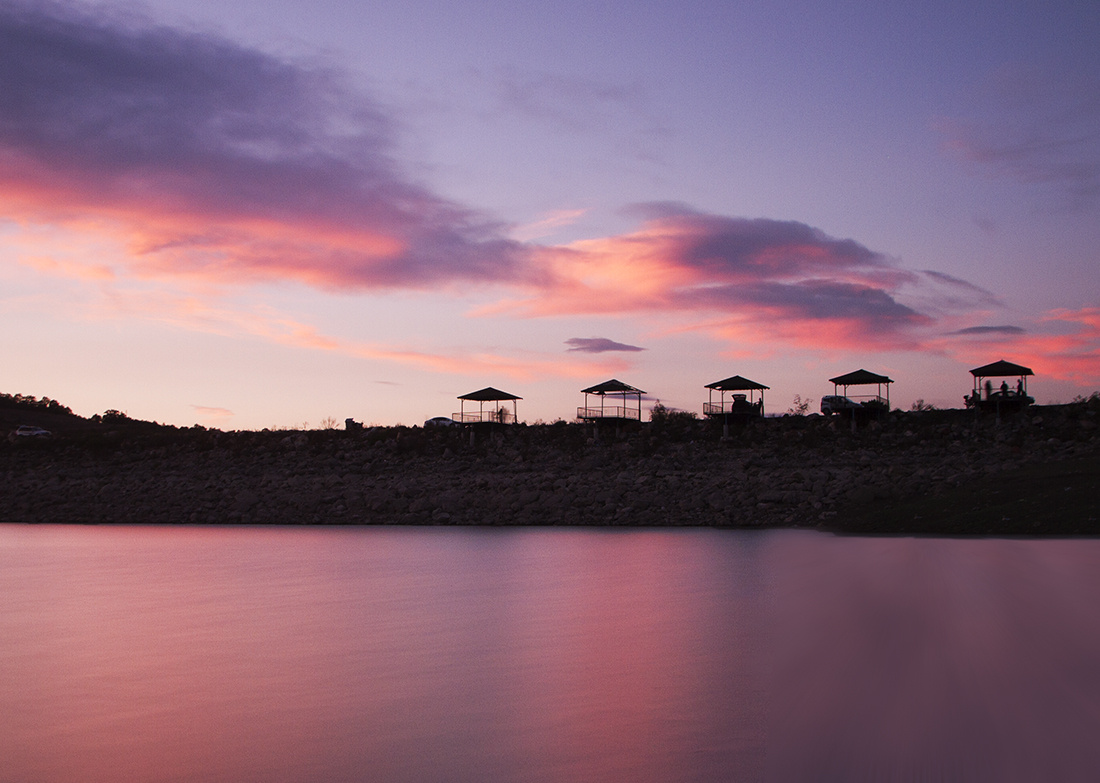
(936, 472)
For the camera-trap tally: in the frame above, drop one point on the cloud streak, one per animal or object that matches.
(1038, 126)
(598, 345)
(989, 330)
(201, 314)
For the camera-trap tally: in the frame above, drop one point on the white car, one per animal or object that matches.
(29, 431)
(440, 421)
(835, 403)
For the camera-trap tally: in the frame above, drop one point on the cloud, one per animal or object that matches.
(598, 345)
(207, 315)
(215, 165)
(218, 161)
(547, 225)
(1061, 344)
(785, 278)
(581, 105)
(989, 330)
(1072, 350)
(950, 281)
(212, 414)
(1038, 126)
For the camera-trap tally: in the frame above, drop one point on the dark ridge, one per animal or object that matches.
(937, 472)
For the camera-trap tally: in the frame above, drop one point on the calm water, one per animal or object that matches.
(222, 654)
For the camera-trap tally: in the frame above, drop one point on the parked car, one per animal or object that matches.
(30, 431)
(835, 403)
(440, 421)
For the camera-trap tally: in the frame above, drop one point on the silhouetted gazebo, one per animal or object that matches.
(863, 378)
(1006, 398)
(617, 391)
(495, 415)
(740, 404)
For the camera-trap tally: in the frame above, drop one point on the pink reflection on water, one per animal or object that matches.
(167, 654)
(220, 654)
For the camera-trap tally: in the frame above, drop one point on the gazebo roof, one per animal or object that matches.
(859, 377)
(736, 383)
(1001, 368)
(489, 394)
(612, 387)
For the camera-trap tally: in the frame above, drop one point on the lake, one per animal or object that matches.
(522, 654)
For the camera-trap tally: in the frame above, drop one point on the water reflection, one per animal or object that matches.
(332, 655)
(902, 659)
(219, 654)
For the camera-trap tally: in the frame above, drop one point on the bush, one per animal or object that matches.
(800, 407)
(671, 423)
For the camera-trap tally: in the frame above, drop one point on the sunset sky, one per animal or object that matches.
(267, 213)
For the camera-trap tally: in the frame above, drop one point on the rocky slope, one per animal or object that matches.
(796, 471)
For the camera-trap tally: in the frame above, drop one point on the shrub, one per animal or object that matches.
(800, 407)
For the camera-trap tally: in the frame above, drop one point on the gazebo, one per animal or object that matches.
(1006, 398)
(617, 391)
(742, 403)
(864, 378)
(495, 414)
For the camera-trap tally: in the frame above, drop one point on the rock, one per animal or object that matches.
(245, 500)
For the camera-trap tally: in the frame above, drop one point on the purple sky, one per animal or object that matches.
(268, 214)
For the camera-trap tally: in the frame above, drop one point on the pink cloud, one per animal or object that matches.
(547, 225)
(217, 160)
(197, 314)
(1063, 344)
(71, 269)
(787, 280)
(215, 415)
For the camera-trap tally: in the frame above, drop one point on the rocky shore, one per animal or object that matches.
(804, 471)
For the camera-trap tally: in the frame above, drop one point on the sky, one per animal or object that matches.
(283, 214)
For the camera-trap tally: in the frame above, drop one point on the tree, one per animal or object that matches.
(799, 407)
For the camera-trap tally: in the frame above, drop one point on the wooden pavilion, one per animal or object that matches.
(864, 378)
(1006, 398)
(495, 414)
(743, 402)
(628, 397)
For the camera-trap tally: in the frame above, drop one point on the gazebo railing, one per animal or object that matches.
(609, 412)
(866, 398)
(730, 406)
(478, 417)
